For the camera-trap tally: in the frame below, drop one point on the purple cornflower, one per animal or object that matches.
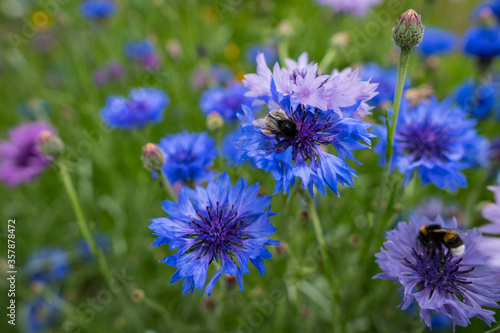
(437, 41)
(144, 106)
(436, 141)
(144, 53)
(20, 157)
(113, 71)
(482, 41)
(300, 155)
(187, 156)
(221, 222)
(301, 81)
(386, 80)
(47, 265)
(98, 9)
(439, 282)
(225, 101)
(353, 7)
(491, 245)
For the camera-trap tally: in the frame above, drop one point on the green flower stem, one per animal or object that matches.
(82, 223)
(317, 228)
(404, 57)
(327, 60)
(166, 185)
(172, 323)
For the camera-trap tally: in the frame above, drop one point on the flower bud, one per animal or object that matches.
(50, 144)
(152, 157)
(137, 295)
(214, 121)
(408, 31)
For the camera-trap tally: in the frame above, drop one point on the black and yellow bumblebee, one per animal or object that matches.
(433, 236)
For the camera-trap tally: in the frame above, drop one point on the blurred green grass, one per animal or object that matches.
(119, 197)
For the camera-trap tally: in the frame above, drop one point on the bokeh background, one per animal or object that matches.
(49, 54)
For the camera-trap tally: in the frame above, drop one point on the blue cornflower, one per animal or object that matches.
(477, 98)
(225, 101)
(224, 223)
(230, 149)
(98, 9)
(269, 51)
(436, 141)
(301, 155)
(40, 313)
(144, 106)
(482, 41)
(437, 41)
(386, 80)
(493, 6)
(187, 155)
(143, 52)
(102, 242)
(47, 265)
(439, 282)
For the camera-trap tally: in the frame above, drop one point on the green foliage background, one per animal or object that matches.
(119, 197)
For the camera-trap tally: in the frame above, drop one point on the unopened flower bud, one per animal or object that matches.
(50, 144)
(408, 31)
(137, 295)
(214, 121)
(152, 157)
(340, 39)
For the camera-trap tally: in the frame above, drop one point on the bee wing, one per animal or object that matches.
(450, 231)
(260, 123)
(274, 106)
(278, 115)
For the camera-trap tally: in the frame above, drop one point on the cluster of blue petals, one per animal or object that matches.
(226, 101)
(98, 9)
(437, 41)
(224, 223)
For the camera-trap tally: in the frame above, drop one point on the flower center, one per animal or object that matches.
(429, 141)
(217, 232)
(439, 270)
(25, 156)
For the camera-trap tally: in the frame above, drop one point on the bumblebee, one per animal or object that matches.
(433, 236)
(277, 122)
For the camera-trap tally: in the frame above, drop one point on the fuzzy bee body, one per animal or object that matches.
(433, 236)
(277, 122)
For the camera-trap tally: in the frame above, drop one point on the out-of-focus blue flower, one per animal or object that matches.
(225, 101)
(101, 241)
(301, 81)
(230, 150)
(144, 106)
(113, 71)
(457, 288)
(40, 313)
(143, 52)
(47, 265)
(386, 80)
(301, 155)
(353, 7)
(187, 156)
(477, 99)
(216, 75)
(493, 6)
(482, 41)
(224, 223)
(269, 50)
(98, 9)
(437, 41)
(21, 160)
(435, 140)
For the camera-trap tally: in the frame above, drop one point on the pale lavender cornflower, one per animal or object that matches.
(438, 281)
(300, 81)
(491, 212)
(353, 7)
(20, 157)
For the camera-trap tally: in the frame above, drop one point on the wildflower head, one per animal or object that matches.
(356, 8)
(187, 156)
(225, 101)
(436, 141)
(482, 42)
(437, 41)
(41, 313)
(224, 223)
(152, 157)
(50, 144)
(47, 265)
(98, 9)
(143, 52)
(20, 157)
(300, 154)
(144, 106)
(408, 31)
(439, 282)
